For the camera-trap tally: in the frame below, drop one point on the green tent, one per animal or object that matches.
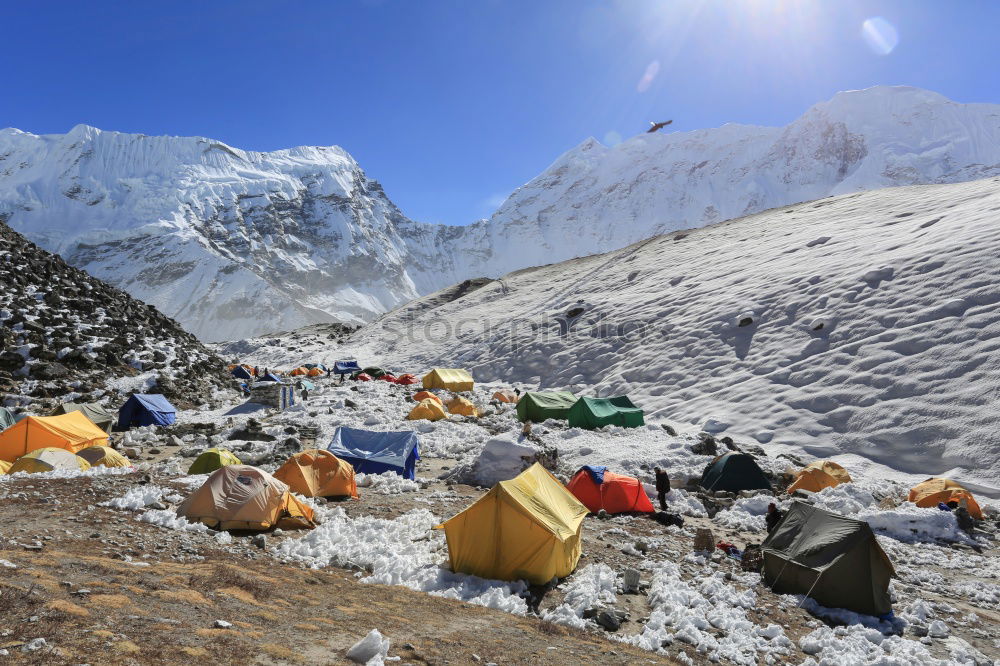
(734, 472)
(833, 559)
(212, 459)
(97, 414)
(537, 405)
(593, 413)
(6, 418)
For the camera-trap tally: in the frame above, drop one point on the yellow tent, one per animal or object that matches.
(525, 528)
(505, 395)
(103, 455)
(72, 432)
(819, 475)
(299, 371)
(46, 460)
(317, 473)
(241, 497)
(933, 491)
(451, 379)
(4, 466)
(459, 405)
(427, 409)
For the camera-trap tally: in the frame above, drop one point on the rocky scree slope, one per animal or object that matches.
(865, 326)
(236, 243)
(66, 335)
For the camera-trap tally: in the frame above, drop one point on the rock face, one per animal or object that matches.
(64, 332)
(236, 243)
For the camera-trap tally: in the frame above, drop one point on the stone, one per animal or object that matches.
(260, 541)
(611, 619)
(222, 624)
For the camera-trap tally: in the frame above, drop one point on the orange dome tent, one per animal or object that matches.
(933, 491)
(459, 405)
(426, 395)
(599, 489)
(317, 473)
(505, 395)
(315, 372)
(297, 372)
(821, 474)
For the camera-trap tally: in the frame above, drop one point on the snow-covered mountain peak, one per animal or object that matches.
(234, 242)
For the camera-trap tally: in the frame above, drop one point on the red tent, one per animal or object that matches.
(388, 378)
(614, 493)
(364, 377)
(407, 379)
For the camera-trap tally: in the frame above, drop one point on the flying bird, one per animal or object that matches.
(657, 126)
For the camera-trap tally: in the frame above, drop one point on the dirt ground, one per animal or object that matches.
(101, 587)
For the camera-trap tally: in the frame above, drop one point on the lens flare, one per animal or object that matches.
(880, 35)
(652, 69)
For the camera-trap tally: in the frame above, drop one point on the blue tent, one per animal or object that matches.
(270, 377)
(241, 373)
(144, 409)
(372, 452)
(345, 367)
(305, 384)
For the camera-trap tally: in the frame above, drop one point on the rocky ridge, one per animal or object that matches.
(68, 336)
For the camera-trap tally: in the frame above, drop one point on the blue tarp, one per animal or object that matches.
(270, 377)
(241, 373)
(345, 367)
(596, 473)
(371, 452)
(306, 384)
(144, 409)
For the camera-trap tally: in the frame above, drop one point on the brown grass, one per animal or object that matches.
(223, 577)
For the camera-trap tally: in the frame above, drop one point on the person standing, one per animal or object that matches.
(662, 487)
(773, 517)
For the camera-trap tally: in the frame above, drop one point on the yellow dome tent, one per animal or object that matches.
(103, 455)
(451, 379)
(427, 409)
(525, 528)
(72, 431)
(318, 473)
(933, 491)
(212, 459)
(459, 405)
(4, 466)
(46, 460)
(819, 475)
(241, 497)
(505, 395)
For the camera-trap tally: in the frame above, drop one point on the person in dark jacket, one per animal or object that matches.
(662, 487)
(256, 372)
(773, 517)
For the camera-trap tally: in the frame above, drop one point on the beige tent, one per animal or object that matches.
(103, 455)
(821, 474)
(241, 497)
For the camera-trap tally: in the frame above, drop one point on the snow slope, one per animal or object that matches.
(236, 243)
(871, 329)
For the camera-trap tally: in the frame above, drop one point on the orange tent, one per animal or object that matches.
(317, 473)
(615, 493)
(505, 395)
(426, 395)
(72, 431)
(933, 491)
(819, 475)
(298, 372)
(407, 379)
(315, 372)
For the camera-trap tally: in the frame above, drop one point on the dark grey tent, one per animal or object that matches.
(100, 417)
(734, 472)
(831, 558)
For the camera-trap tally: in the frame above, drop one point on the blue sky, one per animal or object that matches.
(452, 104)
